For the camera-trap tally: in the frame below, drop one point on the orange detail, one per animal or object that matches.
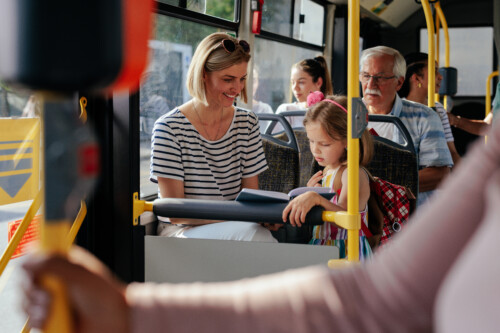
(31, 236)
(137, 28)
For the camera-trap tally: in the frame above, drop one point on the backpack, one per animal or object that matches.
(389, 208)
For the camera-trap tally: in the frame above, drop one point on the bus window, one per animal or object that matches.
(302, 20)
(464, 45)
(275, 61)
(223, 9)
(12, 101)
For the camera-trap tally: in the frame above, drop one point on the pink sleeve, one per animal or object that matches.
(394, 292)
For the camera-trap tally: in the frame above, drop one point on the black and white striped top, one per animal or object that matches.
(209, 169)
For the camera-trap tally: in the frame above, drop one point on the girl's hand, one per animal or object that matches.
(315, 179)
(297, 209)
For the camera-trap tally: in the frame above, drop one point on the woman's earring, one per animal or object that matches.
(420, 85)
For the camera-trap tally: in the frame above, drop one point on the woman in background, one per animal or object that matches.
(307, 76)
(415, 89)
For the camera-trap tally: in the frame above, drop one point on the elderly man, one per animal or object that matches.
(382, 72)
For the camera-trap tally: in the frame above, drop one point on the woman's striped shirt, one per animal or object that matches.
(209, 169)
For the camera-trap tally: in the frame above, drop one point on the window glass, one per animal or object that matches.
(302, 19)
(273, 61)
(311, 29)
(13, 102)
(223, 9)
(164, 83)
(473, 67)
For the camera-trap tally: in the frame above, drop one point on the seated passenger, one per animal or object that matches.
(415, 89)
(382, 72)
(326, 127)
(307, 76)
(207, 148)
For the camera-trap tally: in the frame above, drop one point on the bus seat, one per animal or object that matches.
(396, 165)
(305, 155)
(394, 162)
(282, 154)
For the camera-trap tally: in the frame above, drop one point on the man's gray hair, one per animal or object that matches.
(399, 61)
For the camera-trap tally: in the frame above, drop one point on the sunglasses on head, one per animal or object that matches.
(229, 46)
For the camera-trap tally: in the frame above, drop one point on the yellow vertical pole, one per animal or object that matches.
(442, 19)
(431, 64)
(352, 144)
(488, 92)
(437, 48)
(488, 97)
(438, 37)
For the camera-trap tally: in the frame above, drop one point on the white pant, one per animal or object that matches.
(240, 231)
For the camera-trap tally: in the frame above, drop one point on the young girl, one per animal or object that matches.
(326, 127)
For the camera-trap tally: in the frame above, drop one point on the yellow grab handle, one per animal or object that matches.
(60, 319)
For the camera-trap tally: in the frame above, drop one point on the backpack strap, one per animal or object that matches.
(337, 185)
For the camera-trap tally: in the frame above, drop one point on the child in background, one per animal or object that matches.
(326, 127)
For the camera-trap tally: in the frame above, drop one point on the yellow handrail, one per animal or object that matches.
(351, 220)
(70, 239)
(488, 93)
(352, 143)
(442, 20)
(488, 98)
(77, 224)
(431, 64)
(437, 28)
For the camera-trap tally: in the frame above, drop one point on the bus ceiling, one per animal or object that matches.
(390, 12)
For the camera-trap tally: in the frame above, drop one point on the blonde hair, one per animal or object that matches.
(210, 56)
(334, 121)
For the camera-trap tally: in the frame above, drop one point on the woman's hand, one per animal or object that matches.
(96, 299)
(297, 209)
(315, 179)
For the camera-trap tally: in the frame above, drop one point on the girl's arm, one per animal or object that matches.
(298, 208)
(364, 190)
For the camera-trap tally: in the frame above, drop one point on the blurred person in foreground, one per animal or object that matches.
(446, 285)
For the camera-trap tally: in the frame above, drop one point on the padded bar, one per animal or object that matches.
(229, 210)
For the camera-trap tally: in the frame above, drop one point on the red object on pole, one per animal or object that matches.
(257, 15)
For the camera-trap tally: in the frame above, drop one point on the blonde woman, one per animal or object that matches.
(207, 148)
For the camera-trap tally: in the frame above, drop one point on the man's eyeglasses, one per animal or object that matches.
(230, 47)
(365, 77)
